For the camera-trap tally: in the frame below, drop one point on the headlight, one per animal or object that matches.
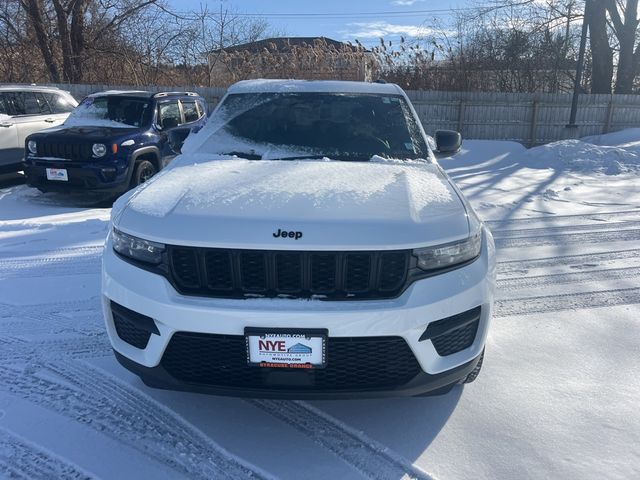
(449, 254)
(99, 149)
(137, 248)
(32, 146)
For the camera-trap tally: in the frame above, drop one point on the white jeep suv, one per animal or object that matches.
(26, 109)
(306, 244)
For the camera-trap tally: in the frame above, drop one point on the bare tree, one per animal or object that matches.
(601, 51)
(61, 29)
(624, 19)
(139, 42)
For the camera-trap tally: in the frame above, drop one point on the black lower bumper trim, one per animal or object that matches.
(80, 180)
(423, 384)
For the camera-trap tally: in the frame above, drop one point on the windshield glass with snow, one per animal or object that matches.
(339, 126)
(111, 111)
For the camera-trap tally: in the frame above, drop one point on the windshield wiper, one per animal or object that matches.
(345, 157)
(245, 155)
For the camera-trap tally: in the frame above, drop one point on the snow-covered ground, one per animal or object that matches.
(558, 396)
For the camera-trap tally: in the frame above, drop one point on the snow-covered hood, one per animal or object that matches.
(329, 205)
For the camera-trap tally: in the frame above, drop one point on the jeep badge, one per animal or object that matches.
(284, 234)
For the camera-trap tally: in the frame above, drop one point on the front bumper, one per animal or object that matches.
(408, 316)
(104, 176)
(422, 384)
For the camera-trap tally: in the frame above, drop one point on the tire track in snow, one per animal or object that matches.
(562, 239)
(514, 283)
(38, 322)
(10, 340)
(55, 325)
(370, 458)
(91, 304)
(567, 301)
(565, 229)
(47, 267)
(41, 351)
(594, 217)
(521, 266)
(22, 459)
(61, 251)
(111, 407)
(72, 317)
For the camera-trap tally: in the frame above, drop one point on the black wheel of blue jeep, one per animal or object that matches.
(143, 172)
(475, 372)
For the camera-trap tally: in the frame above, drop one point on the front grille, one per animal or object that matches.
(67, 150)
(229, 273)
(353, 363)
(456, 340)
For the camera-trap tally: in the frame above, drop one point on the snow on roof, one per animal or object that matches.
(294, 86)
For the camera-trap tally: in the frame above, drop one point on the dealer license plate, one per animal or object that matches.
(277, 348)
(59, 174)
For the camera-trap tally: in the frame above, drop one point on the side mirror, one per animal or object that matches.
(177, 137)
(448, 141)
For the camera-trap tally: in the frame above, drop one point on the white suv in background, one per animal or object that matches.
(305, 244)
(26, 109)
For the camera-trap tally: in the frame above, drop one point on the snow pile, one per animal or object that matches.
(621, 138)
(580, 156)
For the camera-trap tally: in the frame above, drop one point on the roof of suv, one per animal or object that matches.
(325, 86)
(143, 94)
(18, 86)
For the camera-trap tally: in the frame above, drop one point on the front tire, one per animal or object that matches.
(475, 372)
(144, 171)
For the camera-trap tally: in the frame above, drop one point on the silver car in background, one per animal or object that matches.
(26, 109)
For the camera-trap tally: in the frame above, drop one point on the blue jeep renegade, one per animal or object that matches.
(112, 141)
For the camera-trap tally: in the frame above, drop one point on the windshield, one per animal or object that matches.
(336, 125)
(111, 111)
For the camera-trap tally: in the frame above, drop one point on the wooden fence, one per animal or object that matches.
(528, 118)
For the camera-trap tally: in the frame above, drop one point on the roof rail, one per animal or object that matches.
(164, 94)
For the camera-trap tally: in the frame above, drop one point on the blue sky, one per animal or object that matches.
(352, 19)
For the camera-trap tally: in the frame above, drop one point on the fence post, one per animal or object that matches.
(461, 115)
(607, 122)
(534, 124)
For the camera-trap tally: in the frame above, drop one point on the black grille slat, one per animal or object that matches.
(184, 266)
(392, 271)
(288, 272)
(230, 273)
(219, 270)
(253, 271)
(353, 363)
(323, 273)
(357, 272)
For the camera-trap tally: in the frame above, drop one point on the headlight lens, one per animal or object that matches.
(449, 254)
(137, 248)
(32, 146)
(99, 149)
